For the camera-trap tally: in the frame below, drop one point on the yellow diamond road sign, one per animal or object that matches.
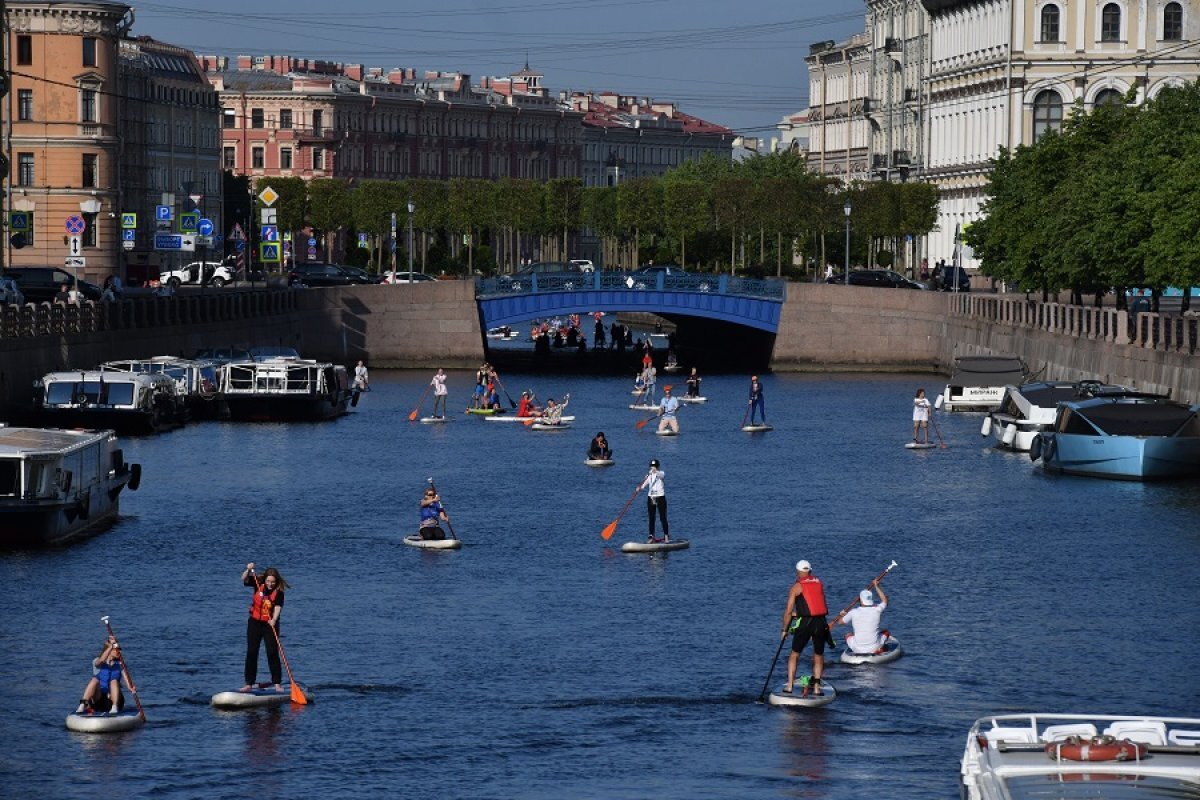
(268, 196)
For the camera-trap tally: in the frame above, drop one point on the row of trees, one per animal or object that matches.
(764, 214)
(1111, 201)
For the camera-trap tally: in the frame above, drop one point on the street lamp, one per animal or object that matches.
(847, 209)
(412, 207)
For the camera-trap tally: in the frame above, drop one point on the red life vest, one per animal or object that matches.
(263, 604)
(811, 602)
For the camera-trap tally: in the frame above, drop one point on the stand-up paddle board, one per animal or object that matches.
(799, 700)
(920, 445)
(483, 412)
(599, 462)
(432, 544)
(436, 420)
(891, 651)
(666, 432)
(760, 428)
(546, 426)
(257, 697)
(686, 399)
(508, 418)
(657, 546)
(126, 720)
(643, 407)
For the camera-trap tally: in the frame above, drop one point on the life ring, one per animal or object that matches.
(1035, 448)
(1097, 748)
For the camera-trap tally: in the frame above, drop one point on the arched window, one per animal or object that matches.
(1047, 113)
(1173, 22)
(1050, 23)
(1108, 97)
(1110, 23)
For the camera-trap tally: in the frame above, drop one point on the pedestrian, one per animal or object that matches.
(866, 638)
(64, 295)
(656, 500)
(362, 380)
(439, 394)
(828, 271)
(106, 676)
(693, 384)
(667, 410)
(756, 400)
(263, 624)
(598, 335)
(921, 416)
(599, 448)
(804, 616)
(432, 513)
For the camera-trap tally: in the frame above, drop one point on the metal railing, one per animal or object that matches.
(701, 283)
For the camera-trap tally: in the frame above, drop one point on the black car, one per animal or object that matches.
(875, 277)
(42, 284)
(359, 275)
(522, 278)
(317, 273)
(946, 276)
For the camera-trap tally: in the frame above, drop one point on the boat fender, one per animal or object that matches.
(1010, 434)
(1035, 448)
(987, 427)
(1097, 748)
(937, 403)
(135, 477)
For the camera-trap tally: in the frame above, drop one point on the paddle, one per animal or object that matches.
(449, 524)
(941, 444)
(642, 423)
(611, 528)
(746, 415)
(413, 416)
(506, 394)
(774, 661)
(125, 670)
(855, 601)
(297, 694)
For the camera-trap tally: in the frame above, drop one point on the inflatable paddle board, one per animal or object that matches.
(666, 432)
(483, 412)
(920, 445)
(760, 428)
(655, 546)
(436, 420)
(891, 651)
(686, 399)
(599, 462)
(508, 418)
(126, 720)
(415, 540)
(797, 700)
(643, 407)
(546, 426)
(257, 697)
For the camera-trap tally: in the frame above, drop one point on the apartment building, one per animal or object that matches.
(839, 131)
(899, 31)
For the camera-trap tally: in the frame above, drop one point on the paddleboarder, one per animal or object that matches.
(667, 411)
(439, 394)
(599, 449)
(362, 380)
(693, 384)
(804, 616)
(656, 500)
(756, 400)
(431, 514)
(866, 638)
(106, 675)
(265, 608)
(921, 416)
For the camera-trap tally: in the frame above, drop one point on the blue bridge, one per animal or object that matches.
(509, 299)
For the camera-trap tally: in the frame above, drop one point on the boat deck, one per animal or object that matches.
(16, 441)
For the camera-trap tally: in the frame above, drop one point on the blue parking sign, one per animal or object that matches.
(128, 235)
(163, 213)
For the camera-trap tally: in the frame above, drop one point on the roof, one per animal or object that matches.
(988, 371)
(16, 441)
(1133, 416)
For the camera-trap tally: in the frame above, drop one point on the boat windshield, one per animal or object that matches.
(1071, 785)
(107, 393)
(10, 477)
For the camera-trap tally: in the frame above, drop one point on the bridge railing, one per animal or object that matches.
(702, 283)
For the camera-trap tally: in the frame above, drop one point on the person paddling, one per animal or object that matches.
(756, 400)
(866, 638)
(432, 513)
(106, 675)
(599, 448)
(656, 500)
(804, 616)
(667, 411)
(921, 416)
(439, 394)
(265, 608)
(693, 384)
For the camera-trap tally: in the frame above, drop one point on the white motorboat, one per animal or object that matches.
(977, 382)
(1028, 409)
(58, 485)
(285, 389)
(1062, 756)
(125, 402)
(196, 381)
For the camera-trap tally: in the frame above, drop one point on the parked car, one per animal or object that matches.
(946, 276)
(10, 293)
(885, 278)
(197, 273)
(41, 284)
(584, 264)
(317, 273)
(522, 278)
(406, 277)
(360, 275)
(647, 277)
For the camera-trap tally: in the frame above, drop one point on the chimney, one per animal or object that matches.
(245, 62)
(396, 76)
(354, 72)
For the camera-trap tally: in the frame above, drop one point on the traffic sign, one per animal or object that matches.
(237, 234)
(269, 233)
(362, 241)
(188, 222)
(163, 213)
(75, 224)
(204, 241)
(269, 216)
(20, 220)
(312, 242)
(73, 262)
(74, 245)
(128, 235)
(127, 244)
(268, 196)
(174, 241)
(205, 227)
(239, 245)
(128, 219)
(268, 251)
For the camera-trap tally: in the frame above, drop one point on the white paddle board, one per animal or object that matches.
(666, 432)
(257, 697)
(656, 546)
(546, 426)
(437, 420)
(642, 407)
(891, 651)
(920, 445)
(686, 399)
(599, 462)
(432, 544)
(760, 428)
(126, 720)
(798, 700)
(564, 418)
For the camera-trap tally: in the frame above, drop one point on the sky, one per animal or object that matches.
(738, 64)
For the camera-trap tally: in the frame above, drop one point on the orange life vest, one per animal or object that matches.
(263, 604)
(811, 602)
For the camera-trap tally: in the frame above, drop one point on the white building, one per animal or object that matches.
(839, 77)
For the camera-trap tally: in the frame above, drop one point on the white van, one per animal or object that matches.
(216, 274)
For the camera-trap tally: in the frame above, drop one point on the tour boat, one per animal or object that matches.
(1123, 435)
(1027, 756)
(125, 402)
(977, 382)
(1028, 409)
(196, 381)
(58, 485)
(285, 389)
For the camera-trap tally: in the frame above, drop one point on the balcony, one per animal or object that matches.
(893, 45)
(900, 158)
(911, 95)
(321, 134)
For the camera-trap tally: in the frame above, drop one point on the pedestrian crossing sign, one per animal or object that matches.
(268, 252)
(19, 221)
(128, 219)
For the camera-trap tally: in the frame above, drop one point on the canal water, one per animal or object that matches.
(539, 662)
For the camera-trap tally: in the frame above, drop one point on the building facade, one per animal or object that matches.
(839, 81)
(899, 31)
(61, 123)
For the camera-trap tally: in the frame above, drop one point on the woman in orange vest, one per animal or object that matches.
(265, 608)
(804, 616)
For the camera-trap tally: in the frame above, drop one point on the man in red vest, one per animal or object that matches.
(804, 616)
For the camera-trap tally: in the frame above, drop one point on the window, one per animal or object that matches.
(256, 158)
(318, 123)
(87, 105)
(285, 118)
(228, 118)
(1050, 23)
(1108, 97)
(1110, 23)
(1173, 22)
(285, 158)
(89, 232)
(91, 170)
(256, 118)
(229, 158)
(25, 50)
(1047, 113)
(89, 51)
(25, 170)
(24, 104)
(318, 154)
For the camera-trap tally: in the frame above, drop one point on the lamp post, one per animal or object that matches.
(847, 209)
(412, 207)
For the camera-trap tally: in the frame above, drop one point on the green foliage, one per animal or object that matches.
(329, 204)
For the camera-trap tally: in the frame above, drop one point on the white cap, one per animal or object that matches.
(803, 566)
(866, 598)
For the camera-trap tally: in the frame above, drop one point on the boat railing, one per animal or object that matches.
(260, 378)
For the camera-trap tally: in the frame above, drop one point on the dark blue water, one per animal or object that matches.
(537, 662)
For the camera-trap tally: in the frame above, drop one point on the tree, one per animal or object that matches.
(329, 209)
(563, 206)
(639, 208)
(685, 210)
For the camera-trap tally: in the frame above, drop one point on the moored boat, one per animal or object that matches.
(126, 720)
(1029, 408)
(58, 485)
(285, 389)
(258, 697)
(977, 382)
(1126, 436)
(196, 381)
(1026, 756)
(125, 402)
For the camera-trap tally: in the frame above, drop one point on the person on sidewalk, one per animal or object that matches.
(804, 617)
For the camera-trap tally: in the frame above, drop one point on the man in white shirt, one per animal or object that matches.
(439, 394)
(666, 411)
(656, 498)
(867, 638)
